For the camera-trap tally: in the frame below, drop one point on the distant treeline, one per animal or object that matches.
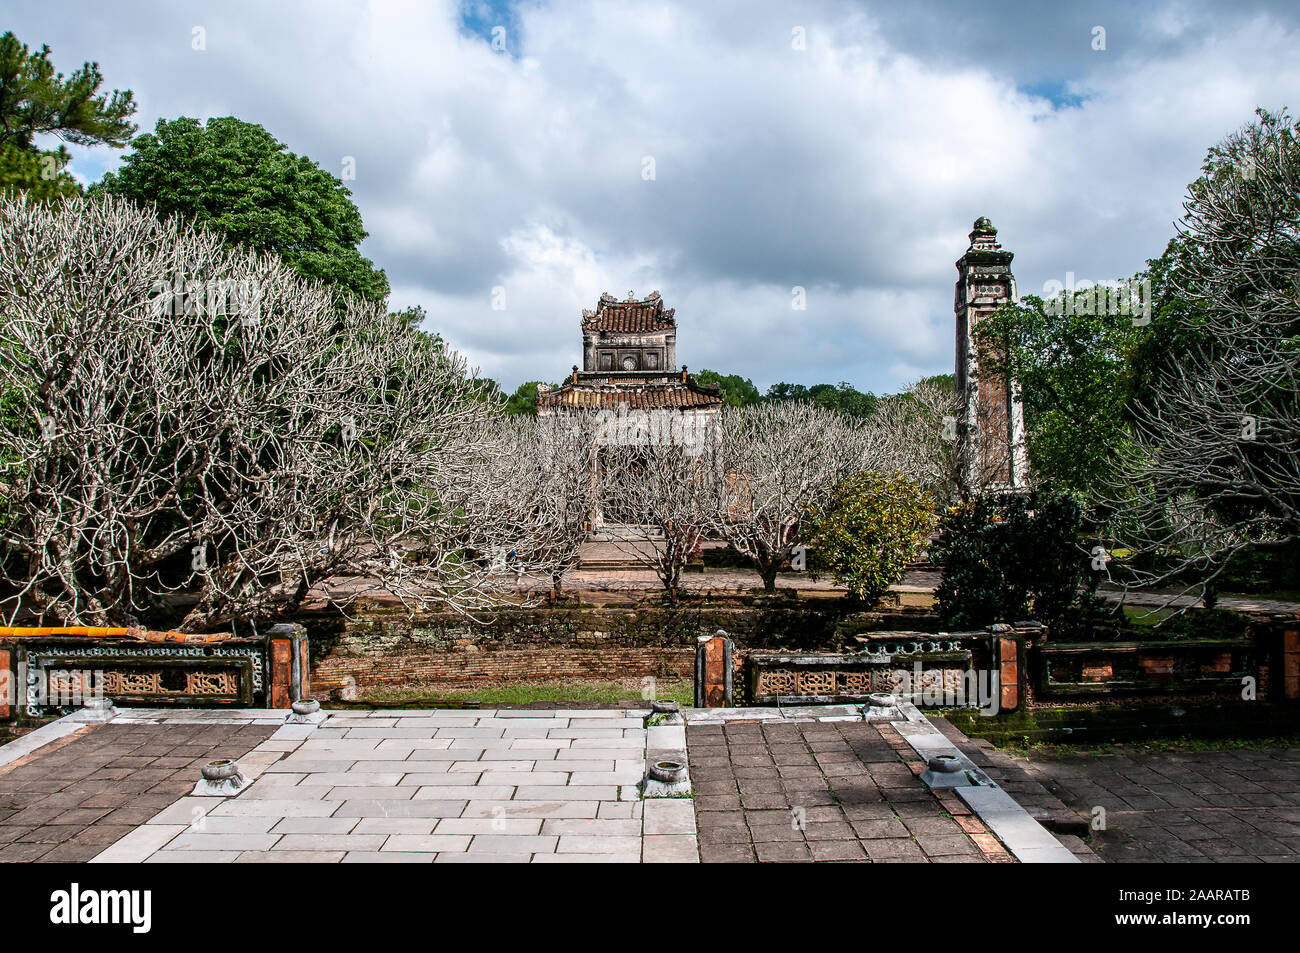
(741, 392)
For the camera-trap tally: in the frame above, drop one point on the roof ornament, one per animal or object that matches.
(983, 236)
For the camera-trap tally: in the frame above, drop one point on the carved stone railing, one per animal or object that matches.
(977, 669)
(1108, 668)
(50, 670)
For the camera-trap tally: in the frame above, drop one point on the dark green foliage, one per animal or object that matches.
(942, 381)
(524, 399)
(1073, 371)
(34, 100)
(1143, 624)
(1008, 558)
(234, 177)
(737, 391)
(843, 397)
(42, 175)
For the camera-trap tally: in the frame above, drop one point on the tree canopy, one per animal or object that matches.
(34, 99)
(235, 177)
(843, 397)
(737, 391)
(42, 175)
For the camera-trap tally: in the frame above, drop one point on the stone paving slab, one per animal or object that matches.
(72, 798)
(558, 785)
(784, 790)
(1240, 806)
(415, 787)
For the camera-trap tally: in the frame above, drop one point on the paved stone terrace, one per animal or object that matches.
(1194, 807)
(444, 786)
(856, 784)
(549, 786)
(70, 799)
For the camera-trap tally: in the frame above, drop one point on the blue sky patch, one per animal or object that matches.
(1054, 91)
(496, 22)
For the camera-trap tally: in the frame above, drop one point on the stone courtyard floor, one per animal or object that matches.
(445, 786)
(1240, 806)
(75, 796)
(813, 791)
(554, 786)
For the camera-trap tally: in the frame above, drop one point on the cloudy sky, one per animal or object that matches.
(721, 153)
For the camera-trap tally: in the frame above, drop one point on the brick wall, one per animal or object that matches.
(464, 665)
(387, 649)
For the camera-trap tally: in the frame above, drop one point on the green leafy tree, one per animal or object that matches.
(42, 175)
(842, 397)
(737, 391)
(870, 531)
(1073, 364)
(1005, 557)
(1216, 407)
(34, 99)
(412, 317)
(234, 177)
(941, 381)
(524, 399)
(784, 391)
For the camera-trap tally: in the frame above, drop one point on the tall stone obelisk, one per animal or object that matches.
(991, 425)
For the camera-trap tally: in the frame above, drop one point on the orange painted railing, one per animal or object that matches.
(144, 635)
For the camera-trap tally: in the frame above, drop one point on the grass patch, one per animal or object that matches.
(1146, 617)
(502, 692)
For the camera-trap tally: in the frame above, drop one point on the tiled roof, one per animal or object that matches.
(629, 316)
(649, 397)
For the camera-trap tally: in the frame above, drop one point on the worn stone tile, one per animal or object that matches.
(607, 858)
(290, 857)
(441, 792)
(193, 840)
(395, 825)
(316, 825)
(539, 809)
(426, 807)
(492, 825)
(513, 843)
(389, 857)
(427, 843)
(340, 842)
(193, 856)
(670, 849)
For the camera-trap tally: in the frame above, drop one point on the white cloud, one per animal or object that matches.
(853, 168)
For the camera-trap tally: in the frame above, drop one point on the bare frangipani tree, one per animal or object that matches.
(186, 423)
(1215, 461)
(776, 461)
(671, 487)
(547, 469)
(915, 433)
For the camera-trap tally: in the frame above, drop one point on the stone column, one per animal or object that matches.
(990, 426)
(713, 671)
(288, 664)
(8, 684)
